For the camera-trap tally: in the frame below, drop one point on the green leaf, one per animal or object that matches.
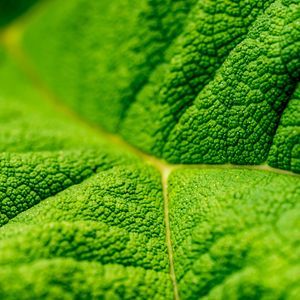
(285, 150)
(234, 232)
(10, 9)
(100, 104)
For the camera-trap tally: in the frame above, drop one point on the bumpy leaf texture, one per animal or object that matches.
(150, 149)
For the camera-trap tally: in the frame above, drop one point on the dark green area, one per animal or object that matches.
(285, 151)
(11, 9)
(104, 51)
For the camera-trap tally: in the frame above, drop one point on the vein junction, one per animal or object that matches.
(11, 39)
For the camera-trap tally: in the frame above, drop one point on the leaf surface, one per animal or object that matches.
(87, 213)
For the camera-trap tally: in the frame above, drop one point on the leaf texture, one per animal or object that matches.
(150, 150)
